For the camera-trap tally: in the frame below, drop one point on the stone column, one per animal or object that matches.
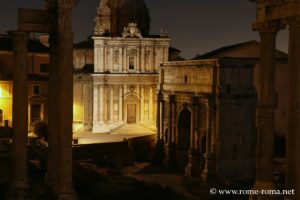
(111, 103)
(142, 58)
(142, 104)
(105, 58)
(151, 106)
(125, 59)
(158, 156)
(120, 103)
(111, 59)
(166, 56)
(19, 180)
(208, 171)
(95, 107)
(154, 59)
(170, 151)
(293, 148)
(120, 58)
(87, 101)
(100, 58)
(62, 77)
(192, 166)
(96, 56)
(265, 110)
(101, 104)
(106, 102)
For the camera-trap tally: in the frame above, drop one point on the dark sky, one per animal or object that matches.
(195, 26)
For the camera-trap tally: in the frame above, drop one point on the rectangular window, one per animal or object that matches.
(36, 89)
(131, 62)
(35, 113)
(43, 68)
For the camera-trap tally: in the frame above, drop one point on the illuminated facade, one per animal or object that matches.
(38, 60)
(119, 87)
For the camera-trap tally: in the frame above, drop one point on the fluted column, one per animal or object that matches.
(19, 181)
(293, 138)
(265, 110)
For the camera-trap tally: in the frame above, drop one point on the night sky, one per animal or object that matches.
(195, 26)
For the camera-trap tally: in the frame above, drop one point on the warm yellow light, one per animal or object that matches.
(77, 112)
(4, 90)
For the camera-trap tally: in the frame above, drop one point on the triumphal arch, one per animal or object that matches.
(55, 19)
(272, 16)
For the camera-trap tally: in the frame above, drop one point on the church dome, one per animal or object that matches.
(114, 15)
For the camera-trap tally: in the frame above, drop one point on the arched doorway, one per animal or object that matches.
(131, 106)
(183, 138)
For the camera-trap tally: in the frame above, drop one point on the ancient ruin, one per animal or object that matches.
(272, 16)
(55, 20)
(200, 105)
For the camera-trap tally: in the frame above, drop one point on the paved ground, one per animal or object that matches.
(172, 181)
(125, 132)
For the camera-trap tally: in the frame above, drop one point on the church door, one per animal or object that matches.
(131, 113)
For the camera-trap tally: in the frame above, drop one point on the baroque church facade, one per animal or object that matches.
(124, 77)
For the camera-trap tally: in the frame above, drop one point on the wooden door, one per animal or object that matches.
(131, 113)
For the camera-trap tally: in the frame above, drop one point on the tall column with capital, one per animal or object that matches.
(61, 76)
(19, 180)
(265, 110)
(293, 148)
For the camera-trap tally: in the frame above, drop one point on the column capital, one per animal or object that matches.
(268, 26)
